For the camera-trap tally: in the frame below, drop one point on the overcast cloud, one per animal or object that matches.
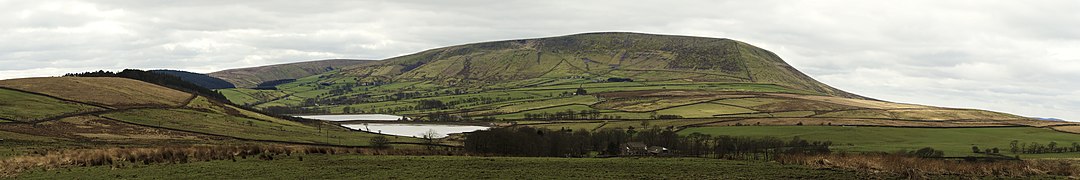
(1020, 57)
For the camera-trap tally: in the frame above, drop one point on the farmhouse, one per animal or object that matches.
(634, 148)
(657, 150)
(640, 149)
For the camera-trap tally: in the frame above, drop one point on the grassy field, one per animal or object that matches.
(250, 96)
(954, 141)
(585, 100)
(451, 167)
(26, 107)
(570, 126)
(240, 127)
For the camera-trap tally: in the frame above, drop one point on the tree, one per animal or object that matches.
(975, 149)
(581, 91)
(1052, 147)
(380, 142)
(430, 138)
(430, 104)
(1014, 146)
(927, 152)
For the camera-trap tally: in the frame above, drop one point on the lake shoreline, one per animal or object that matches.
(353, 122)
(386, 124)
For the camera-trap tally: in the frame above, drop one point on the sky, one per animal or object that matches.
(1020, 57)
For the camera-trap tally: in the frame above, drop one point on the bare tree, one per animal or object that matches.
(431, 137)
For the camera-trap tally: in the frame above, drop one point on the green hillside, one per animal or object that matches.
(595, 56)
(625, 76)
(249, 77)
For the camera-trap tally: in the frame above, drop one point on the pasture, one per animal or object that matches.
(953, 141)
(22, 106)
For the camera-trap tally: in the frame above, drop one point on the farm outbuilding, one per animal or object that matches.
(634, 149)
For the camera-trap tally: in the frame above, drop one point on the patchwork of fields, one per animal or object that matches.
(756, 103)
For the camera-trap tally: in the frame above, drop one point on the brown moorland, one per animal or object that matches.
(103, 91)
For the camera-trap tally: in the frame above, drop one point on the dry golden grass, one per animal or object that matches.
(859, 113)
(1069, 129)
(856, 122)
(951, 114)
(1039, 123)
(915, 167)
(852, 102)
(801, 105)
(108, 91)
(652, 100)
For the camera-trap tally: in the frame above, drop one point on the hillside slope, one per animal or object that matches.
(641, 57)
(695, 81)
(119, 110)
(249, 77)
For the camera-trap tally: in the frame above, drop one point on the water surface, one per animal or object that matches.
(354, 117)
(414, 130)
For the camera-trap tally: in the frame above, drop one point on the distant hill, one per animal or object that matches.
(601, 76)
(203, 80)
(1050, 119)
(641, 57)
(250, 77)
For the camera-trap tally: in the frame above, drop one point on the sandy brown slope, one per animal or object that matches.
(103, 91)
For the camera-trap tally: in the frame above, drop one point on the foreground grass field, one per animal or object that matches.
(28, 107)
(954, 141)
(452, 167)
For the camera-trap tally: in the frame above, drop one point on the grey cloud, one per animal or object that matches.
(1010, 56)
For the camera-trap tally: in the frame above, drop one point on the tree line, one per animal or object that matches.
(1017, 147)
(527, 141)
(568, 114)
(160, 79)
(294, 110)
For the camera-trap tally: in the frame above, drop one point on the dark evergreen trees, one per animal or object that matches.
(166, 80)
(527, 141)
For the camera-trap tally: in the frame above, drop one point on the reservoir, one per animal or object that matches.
(354, 117)
(393, 127)
(414, 130)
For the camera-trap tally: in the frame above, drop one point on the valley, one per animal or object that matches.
(639, 105)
